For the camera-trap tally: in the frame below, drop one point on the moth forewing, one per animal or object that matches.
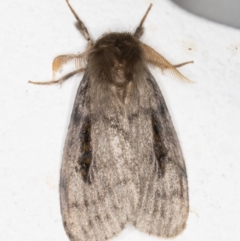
(122, 162)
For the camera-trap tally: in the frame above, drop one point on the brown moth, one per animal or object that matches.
(122, 161)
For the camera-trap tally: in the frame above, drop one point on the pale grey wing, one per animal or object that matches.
(96, 191)
(163, 206)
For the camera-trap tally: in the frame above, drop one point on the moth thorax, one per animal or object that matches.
(116, 65)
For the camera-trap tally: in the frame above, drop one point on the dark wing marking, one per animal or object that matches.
(163, 205)
(85, 158)
(158, 147)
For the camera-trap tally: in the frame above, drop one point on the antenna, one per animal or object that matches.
(139, 31)
(80, 25)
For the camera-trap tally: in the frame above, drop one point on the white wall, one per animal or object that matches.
(34, 119)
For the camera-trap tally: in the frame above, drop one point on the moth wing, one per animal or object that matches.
(95, 183)
(163, 204)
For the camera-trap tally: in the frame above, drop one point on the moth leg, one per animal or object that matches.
(139, 31)
(80, 26)
(156, 59)
(164, 66)
(59, 81)
(182, 64)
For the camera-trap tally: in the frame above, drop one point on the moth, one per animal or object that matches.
(122, 162)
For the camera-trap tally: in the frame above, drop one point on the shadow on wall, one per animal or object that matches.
(222, 11)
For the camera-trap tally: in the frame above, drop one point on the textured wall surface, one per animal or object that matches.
(34, 119)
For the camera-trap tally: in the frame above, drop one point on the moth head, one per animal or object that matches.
(116, 57)
(115, 63)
